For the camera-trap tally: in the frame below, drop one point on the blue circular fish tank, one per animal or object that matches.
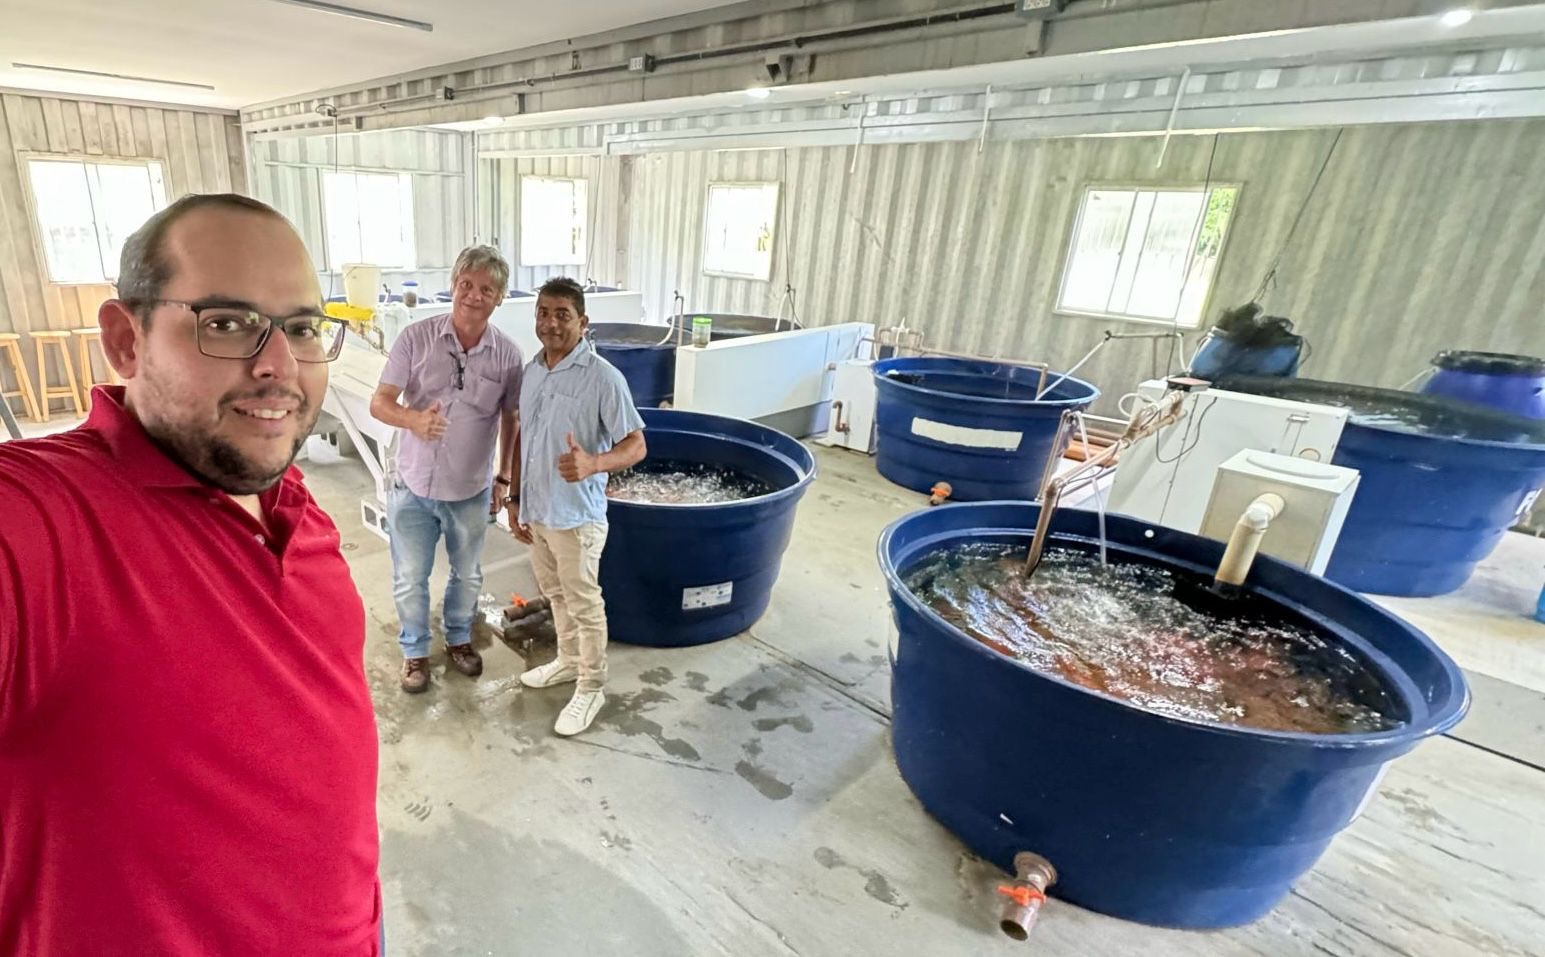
(1148, 817)
(688, 574)
(1442, 480)
(645, 355)
(983, 427)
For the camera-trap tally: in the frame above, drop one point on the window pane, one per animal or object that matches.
(1166, 255)
(66, 227)
(123, 199)
(369, 218)
(1209, 245)
(340, 209)
(552, 221)
(1146, 253)
(1096, 255)
(738, 230)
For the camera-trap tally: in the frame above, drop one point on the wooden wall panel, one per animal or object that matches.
(199, 151)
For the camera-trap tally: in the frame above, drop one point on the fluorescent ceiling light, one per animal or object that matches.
(109, 76)
(357, 14)
(1457, 17)
(758, 92)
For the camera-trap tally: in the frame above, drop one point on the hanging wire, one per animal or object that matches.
(1269, 281)
(592, 216)
(334, 268)
(785, 226)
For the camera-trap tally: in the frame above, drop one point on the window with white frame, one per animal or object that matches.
(1146, 254)
(552, 221)
(86, 210)
(369, 218)
(738, 230)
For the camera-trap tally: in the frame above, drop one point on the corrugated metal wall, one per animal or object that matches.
(1422, 237)
(606, 207)
(199, 152)
(287, 172)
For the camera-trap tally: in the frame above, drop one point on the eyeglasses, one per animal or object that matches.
(233, 332)
(461, 371)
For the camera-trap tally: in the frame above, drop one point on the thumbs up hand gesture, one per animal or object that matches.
(576, 464)
(430, 424)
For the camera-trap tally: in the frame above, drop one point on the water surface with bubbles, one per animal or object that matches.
(673, 482)
(1155, 638)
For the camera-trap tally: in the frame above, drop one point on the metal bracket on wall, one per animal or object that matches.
(1169, 126)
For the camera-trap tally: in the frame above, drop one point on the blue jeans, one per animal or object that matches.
(416, 526)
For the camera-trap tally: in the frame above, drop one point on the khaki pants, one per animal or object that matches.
(567, 563)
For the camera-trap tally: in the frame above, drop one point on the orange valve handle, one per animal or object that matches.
(1022, 894)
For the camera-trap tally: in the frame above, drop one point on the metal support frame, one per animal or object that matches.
(1144, 422)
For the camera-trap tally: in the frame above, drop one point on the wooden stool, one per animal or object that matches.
(10, 347)
(69, 389)
(83, 340)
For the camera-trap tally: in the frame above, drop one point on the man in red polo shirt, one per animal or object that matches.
(187, 747)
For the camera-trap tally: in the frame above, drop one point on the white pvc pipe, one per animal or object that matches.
(1245, 542)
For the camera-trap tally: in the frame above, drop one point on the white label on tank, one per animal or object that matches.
(968, 437)
(706, 596)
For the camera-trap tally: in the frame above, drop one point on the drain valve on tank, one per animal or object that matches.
(1024, 897)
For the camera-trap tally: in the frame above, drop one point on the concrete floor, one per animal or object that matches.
(741, 798)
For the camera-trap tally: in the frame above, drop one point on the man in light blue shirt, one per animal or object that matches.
(577, 423)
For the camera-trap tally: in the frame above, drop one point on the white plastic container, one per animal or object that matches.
(361, 284)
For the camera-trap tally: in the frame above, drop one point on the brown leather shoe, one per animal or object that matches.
(466, 660)
(415, 675)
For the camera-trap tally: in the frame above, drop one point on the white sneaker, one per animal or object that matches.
(579, 713)
(554, 672)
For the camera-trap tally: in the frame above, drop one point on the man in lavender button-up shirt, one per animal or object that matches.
(451, 384)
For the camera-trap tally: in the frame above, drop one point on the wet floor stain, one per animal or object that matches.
(657, 676)
(772, 694)
(697, 681)
(764, 781)
(876, 885)
(419, 810)
(799, 723)
(625, 713)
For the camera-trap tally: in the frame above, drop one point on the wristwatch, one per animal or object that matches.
(502, 480)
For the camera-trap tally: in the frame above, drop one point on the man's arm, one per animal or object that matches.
(618, 418)
(428, 424)
(576, 464)
(629, 452)
(10, 631)
(521, 532)
(36, 613)
(504, 463)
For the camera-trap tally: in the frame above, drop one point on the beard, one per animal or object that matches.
(220, 463)
(178, 431)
